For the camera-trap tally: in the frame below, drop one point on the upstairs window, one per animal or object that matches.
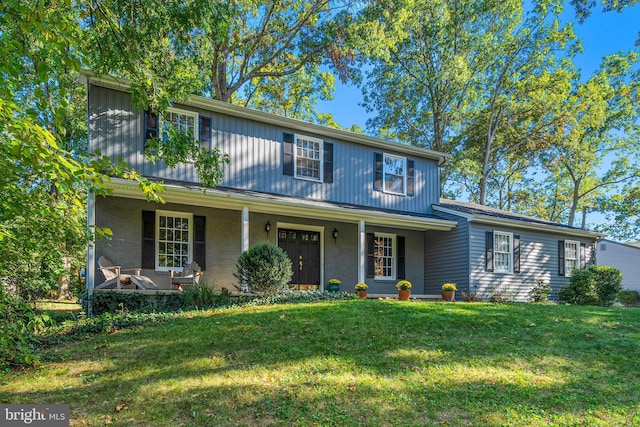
(308, 158)
(395, 174)
(182, 120)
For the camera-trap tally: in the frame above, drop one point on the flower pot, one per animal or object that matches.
(333, 287)
(362, 294)
(403, 294)
(448, 295)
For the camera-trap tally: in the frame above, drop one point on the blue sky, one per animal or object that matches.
(601, 34)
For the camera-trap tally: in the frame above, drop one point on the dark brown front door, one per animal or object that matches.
(303, 248)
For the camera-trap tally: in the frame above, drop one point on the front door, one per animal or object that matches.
(303, 248)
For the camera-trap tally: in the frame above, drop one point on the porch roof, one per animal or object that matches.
(228, 198)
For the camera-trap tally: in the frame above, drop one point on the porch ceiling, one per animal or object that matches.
(266, 203)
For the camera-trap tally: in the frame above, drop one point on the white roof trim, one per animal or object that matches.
(236, 201)
(521, 224)
(286, 122)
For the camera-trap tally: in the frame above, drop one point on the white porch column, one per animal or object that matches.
(362, 253)
(90, 271)
(245, 229)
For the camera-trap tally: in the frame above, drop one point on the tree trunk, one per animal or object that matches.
(64, 279)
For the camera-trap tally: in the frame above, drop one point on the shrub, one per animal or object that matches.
(202, 295)
(19, 325)
(581, 289)
(628, 297)
(540, 291)
(608, 282)
(265, 268)
(471, 297)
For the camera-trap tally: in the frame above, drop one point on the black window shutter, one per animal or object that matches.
(378, 168)
(205, 131)
(328, 162)
(489, 251)
(151, 125)
(583, 255)
(148, 239)
(371, 248)
(516, 254)
(200, 241)
(401, 258)
(410, 177)
(561, 257)
(287, 166)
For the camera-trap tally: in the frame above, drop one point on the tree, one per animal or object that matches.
(170, 49)
(44, 175)
(598, 148)
(420, 86)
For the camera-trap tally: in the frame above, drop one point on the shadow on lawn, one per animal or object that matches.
(359, 363)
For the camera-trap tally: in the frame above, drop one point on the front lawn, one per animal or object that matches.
(351, 363)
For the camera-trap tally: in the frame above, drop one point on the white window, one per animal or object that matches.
(395, 174)
(571, 256)
(502, 252)
(174, 240)
(308, 158)
(384, 256)
(186, 121)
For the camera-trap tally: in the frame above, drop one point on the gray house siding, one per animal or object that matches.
(625, 258)
(256, 153)
(538, 261)
(447, 257)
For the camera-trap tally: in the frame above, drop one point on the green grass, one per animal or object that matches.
(59, 311)
(352, 363)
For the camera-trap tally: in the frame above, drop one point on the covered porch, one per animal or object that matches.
(324, 240)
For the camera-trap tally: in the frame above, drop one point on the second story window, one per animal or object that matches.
(185, 121)
(308, 158)
(394, 174)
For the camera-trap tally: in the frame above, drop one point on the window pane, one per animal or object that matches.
(383, 256)
(173, 241)
(308, 158)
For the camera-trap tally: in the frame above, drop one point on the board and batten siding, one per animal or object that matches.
(625, 258)
(255, 150)
(447, 257)
(538, 261)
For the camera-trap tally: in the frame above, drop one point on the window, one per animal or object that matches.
(384, 256)
(502, 252)
(571, 256)
(174, 240)
(308, 158)
(186, 121)
(394, 174)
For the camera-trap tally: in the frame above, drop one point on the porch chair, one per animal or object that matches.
(189, 276)
(114, 277)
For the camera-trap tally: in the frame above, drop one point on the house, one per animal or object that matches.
(341, 205)
(625, 258)
(494, 252)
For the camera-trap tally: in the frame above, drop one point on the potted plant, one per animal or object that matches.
(449, 291)
(361, 289)
(334, 285)
(404, 290)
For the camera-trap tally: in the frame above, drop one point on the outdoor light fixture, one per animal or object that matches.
(335, 234)
(267, 227)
